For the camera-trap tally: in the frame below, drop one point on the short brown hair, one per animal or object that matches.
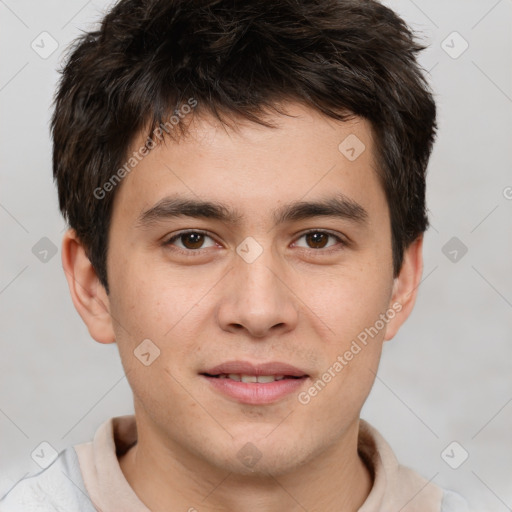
(239, 58)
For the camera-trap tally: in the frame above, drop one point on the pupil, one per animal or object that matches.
(195, 239)
(316, 239)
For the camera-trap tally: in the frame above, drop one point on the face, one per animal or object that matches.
(256, 284)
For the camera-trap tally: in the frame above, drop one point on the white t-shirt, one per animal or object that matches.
(87, 478)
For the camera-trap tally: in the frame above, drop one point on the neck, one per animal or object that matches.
(335, 480)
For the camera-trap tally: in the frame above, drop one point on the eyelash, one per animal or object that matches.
(196, 252)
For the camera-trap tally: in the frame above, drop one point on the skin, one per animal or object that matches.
(298, 303)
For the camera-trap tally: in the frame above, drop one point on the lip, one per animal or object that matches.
(247, 368)
(255, 393)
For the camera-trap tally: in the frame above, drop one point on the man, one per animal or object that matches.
(245, 188)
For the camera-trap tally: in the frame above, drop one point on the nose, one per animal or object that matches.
(258, 298)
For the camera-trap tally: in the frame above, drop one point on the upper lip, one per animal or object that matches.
(247, 368)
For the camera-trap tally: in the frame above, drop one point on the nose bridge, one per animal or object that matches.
(258, 298)
(258, 278)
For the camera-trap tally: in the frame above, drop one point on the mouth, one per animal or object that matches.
(255, 384)
(262, 379)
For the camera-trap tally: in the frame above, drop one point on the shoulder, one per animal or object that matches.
(453, 502)
(398, 487)
(57, 488)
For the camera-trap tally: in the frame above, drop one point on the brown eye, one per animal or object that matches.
(317, 240)
(192, 240)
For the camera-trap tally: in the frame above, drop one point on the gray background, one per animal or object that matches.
(445, 377)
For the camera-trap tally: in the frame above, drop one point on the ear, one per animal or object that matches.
(88, 294)
(405, 287)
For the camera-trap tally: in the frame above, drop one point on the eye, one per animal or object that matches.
(190, 241)
(316, 239)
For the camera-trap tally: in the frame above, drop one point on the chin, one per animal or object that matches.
(264, 468)
(264, 458)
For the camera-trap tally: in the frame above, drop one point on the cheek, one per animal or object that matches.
(147, 300)
(349, 301)
(351, 307)
(152, 343)
(153, 306)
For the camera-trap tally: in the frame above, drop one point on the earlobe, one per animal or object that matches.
(87, 292)
(405, 287)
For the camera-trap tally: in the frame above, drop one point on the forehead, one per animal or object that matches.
(255, 168)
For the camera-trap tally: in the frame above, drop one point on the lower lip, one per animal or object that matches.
(256, 393)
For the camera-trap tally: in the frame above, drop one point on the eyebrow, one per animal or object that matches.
(338, 206)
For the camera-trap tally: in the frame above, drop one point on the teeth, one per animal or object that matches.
(253, 378)
(266, 378)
